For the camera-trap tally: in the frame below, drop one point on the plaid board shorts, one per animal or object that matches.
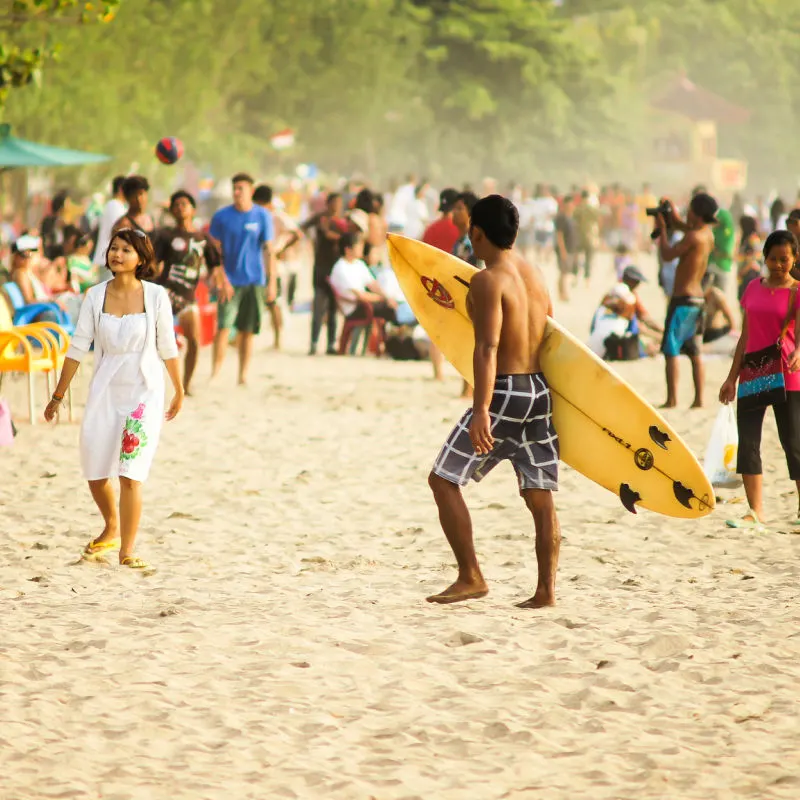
(522, 427)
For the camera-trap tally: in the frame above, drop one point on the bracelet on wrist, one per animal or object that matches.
(58, 398)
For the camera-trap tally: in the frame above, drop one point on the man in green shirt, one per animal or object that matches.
(721, 260)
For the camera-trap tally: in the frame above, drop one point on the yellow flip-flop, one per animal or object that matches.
(94, 547)
(132, 562)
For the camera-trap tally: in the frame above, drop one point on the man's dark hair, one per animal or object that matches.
(71, 232)
(468, 199)
(262, 195)
(116, 184)
(778, 238)
(141, 243)
(331, 197)
(178, 195)
(347, 240)
(242, 177)
(59, 200)
(134, 184)
(498, 218)
(705, 206)
(365, 201)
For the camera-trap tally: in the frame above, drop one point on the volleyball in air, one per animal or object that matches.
(169, 150)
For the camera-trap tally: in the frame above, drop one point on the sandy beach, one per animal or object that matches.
(283, 647)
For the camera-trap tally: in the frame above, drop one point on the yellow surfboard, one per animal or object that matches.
(607, 431)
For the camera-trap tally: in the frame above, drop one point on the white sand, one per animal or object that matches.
(284, 649)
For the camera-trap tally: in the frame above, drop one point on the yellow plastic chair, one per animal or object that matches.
(30, 349)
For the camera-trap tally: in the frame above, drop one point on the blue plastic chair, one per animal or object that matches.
(27, 313)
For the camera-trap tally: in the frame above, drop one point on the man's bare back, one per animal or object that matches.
(524, 303)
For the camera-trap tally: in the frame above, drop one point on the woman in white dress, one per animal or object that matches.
(129, 321)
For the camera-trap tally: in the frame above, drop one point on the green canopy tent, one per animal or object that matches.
(21, 153)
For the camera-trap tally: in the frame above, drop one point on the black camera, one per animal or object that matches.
(665, 209)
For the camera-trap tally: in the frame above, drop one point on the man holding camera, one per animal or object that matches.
(683, 328)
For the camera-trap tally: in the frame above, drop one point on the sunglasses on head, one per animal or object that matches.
(132, 230)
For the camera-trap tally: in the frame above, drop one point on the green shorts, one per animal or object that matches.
(243, 311)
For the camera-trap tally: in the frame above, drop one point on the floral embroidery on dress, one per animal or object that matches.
(133, 436)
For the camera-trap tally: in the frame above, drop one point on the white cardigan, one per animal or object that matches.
(159, 343)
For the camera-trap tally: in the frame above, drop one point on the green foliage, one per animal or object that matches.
(27, 36)
(519, 89)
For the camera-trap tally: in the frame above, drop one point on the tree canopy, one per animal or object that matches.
(518, 89)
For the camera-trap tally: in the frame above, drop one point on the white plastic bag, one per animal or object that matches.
(723, 446)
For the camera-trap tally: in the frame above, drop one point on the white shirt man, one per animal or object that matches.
(349, 279)
(354, 285)
(543, 211)
(402, 202)
(113, 211)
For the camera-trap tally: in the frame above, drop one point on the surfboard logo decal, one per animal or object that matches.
(437, 292)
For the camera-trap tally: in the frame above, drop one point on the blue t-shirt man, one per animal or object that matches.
(242, 235)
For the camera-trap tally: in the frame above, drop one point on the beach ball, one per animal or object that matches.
(169, 150)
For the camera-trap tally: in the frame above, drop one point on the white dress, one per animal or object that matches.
(123, 417)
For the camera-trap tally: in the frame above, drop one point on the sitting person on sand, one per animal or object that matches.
(355, 286)
(511, 417)
(621, 315)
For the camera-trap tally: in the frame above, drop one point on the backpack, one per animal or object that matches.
(622, 348)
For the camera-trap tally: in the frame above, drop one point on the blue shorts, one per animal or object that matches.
(683, 328)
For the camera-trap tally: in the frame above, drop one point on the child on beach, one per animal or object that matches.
(129, 320)
(771, 314)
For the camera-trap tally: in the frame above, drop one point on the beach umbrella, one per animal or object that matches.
(16, 152)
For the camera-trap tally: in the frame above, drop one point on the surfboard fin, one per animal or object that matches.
(682, 494)
(659, 437)
(629, 497)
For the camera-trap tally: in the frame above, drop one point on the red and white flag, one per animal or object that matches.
(283, 139)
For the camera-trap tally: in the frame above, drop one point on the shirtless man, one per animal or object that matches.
(511, 415)
(683, 328)
(135, 190)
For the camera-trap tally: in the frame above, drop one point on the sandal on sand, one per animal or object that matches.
(94, 547)
(754, 524)
(134, 563)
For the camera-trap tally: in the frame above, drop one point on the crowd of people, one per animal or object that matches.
(127, 277)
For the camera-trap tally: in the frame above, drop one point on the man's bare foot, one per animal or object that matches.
(460, 591)
(697, 404)
(668, 404)
(542, 599)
